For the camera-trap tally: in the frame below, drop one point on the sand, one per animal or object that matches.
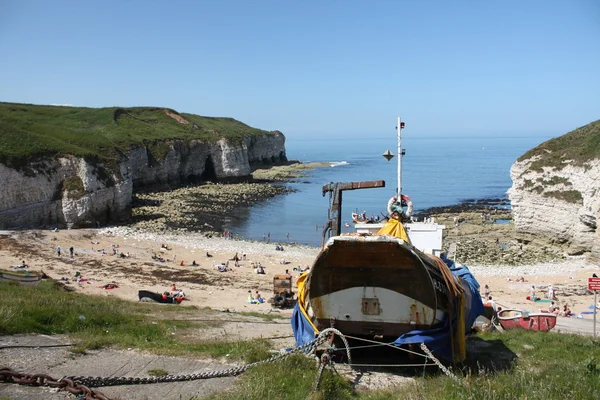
(94, 258)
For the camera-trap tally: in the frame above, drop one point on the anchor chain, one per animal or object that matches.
(9, 376)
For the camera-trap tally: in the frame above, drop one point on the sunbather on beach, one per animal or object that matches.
(566, 312)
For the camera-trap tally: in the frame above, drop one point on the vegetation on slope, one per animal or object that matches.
(575, 148)
(29, 132)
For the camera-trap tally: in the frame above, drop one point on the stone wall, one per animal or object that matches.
(560, 204)
(72, 192)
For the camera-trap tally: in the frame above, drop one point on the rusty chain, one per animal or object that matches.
(80, 385)
(9, 376)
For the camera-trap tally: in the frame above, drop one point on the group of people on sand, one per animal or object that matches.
(255, 298)
(178, 295)
(193, 264)
(565, 312)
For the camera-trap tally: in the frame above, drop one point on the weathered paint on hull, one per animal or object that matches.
(375, 286)
(374, 311)
(511, 319)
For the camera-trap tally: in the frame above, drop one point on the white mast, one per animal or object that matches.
(399, 127)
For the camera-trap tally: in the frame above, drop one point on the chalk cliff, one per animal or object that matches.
(555, 191)
(74, 191)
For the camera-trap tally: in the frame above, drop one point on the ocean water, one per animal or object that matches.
(435, 172)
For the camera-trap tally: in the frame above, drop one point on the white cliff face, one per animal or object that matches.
(199, 161)
(547, 203)
(41, 198)
(72, 192)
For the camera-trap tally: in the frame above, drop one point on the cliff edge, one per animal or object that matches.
(556, 191)
(75, 167)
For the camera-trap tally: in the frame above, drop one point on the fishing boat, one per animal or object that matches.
(22, 277)
(387, 282)
(513, 319)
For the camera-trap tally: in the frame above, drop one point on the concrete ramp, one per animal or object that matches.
(21, 355)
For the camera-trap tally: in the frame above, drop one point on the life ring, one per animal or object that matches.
(404, 201)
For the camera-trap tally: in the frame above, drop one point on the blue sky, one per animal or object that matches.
(315, 68)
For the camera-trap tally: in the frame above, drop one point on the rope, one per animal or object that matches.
(35, 346)
(392, 365)
(387, 344)
(326, 359)
(318, 377)
(341, 335)
(439, 364)
(454, 292)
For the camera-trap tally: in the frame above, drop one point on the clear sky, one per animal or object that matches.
(336, 68)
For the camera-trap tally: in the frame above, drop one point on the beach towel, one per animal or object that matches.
(588, 312)
(538, 300)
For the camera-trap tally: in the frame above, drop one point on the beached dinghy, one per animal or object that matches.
(167, 298)
(22, 277)
(512, 319)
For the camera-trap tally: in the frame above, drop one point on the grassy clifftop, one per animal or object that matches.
(31, 131)
(576, 147)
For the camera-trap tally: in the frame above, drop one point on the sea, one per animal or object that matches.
(436, 171)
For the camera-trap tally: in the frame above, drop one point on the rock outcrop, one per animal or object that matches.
(558, 200)
(73, 191)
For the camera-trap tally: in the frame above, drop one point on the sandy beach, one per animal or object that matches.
(97, 258)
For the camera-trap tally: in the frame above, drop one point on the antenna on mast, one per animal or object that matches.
(388, 155)
(400, 154)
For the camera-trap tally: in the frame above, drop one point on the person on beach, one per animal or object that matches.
(550, 292)
(567, 311)
(486, 292)
(58, 250)
(251, 299)
(258, 298)
(194, 263)
(71, 251)
(532, 293)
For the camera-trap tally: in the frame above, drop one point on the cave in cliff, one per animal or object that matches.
(209, 173)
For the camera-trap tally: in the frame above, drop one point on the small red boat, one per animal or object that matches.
(510, 319)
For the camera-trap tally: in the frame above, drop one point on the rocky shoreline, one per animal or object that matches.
(472, 235)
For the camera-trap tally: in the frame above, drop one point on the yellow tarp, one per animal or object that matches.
(395, 228)
(301, 299)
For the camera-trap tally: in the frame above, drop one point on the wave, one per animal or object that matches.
(338, 163)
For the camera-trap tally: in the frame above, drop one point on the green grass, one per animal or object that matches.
(31, 132)
(290, 379)
(266, 317)
(96, 322)
(576, 147)
(546, 366)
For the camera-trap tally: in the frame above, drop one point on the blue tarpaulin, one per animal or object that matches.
(439, 340)
(303, 330)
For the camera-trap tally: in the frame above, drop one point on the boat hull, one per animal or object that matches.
(517, 319)
(157, 297)
(374, 287)
(24, 278)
